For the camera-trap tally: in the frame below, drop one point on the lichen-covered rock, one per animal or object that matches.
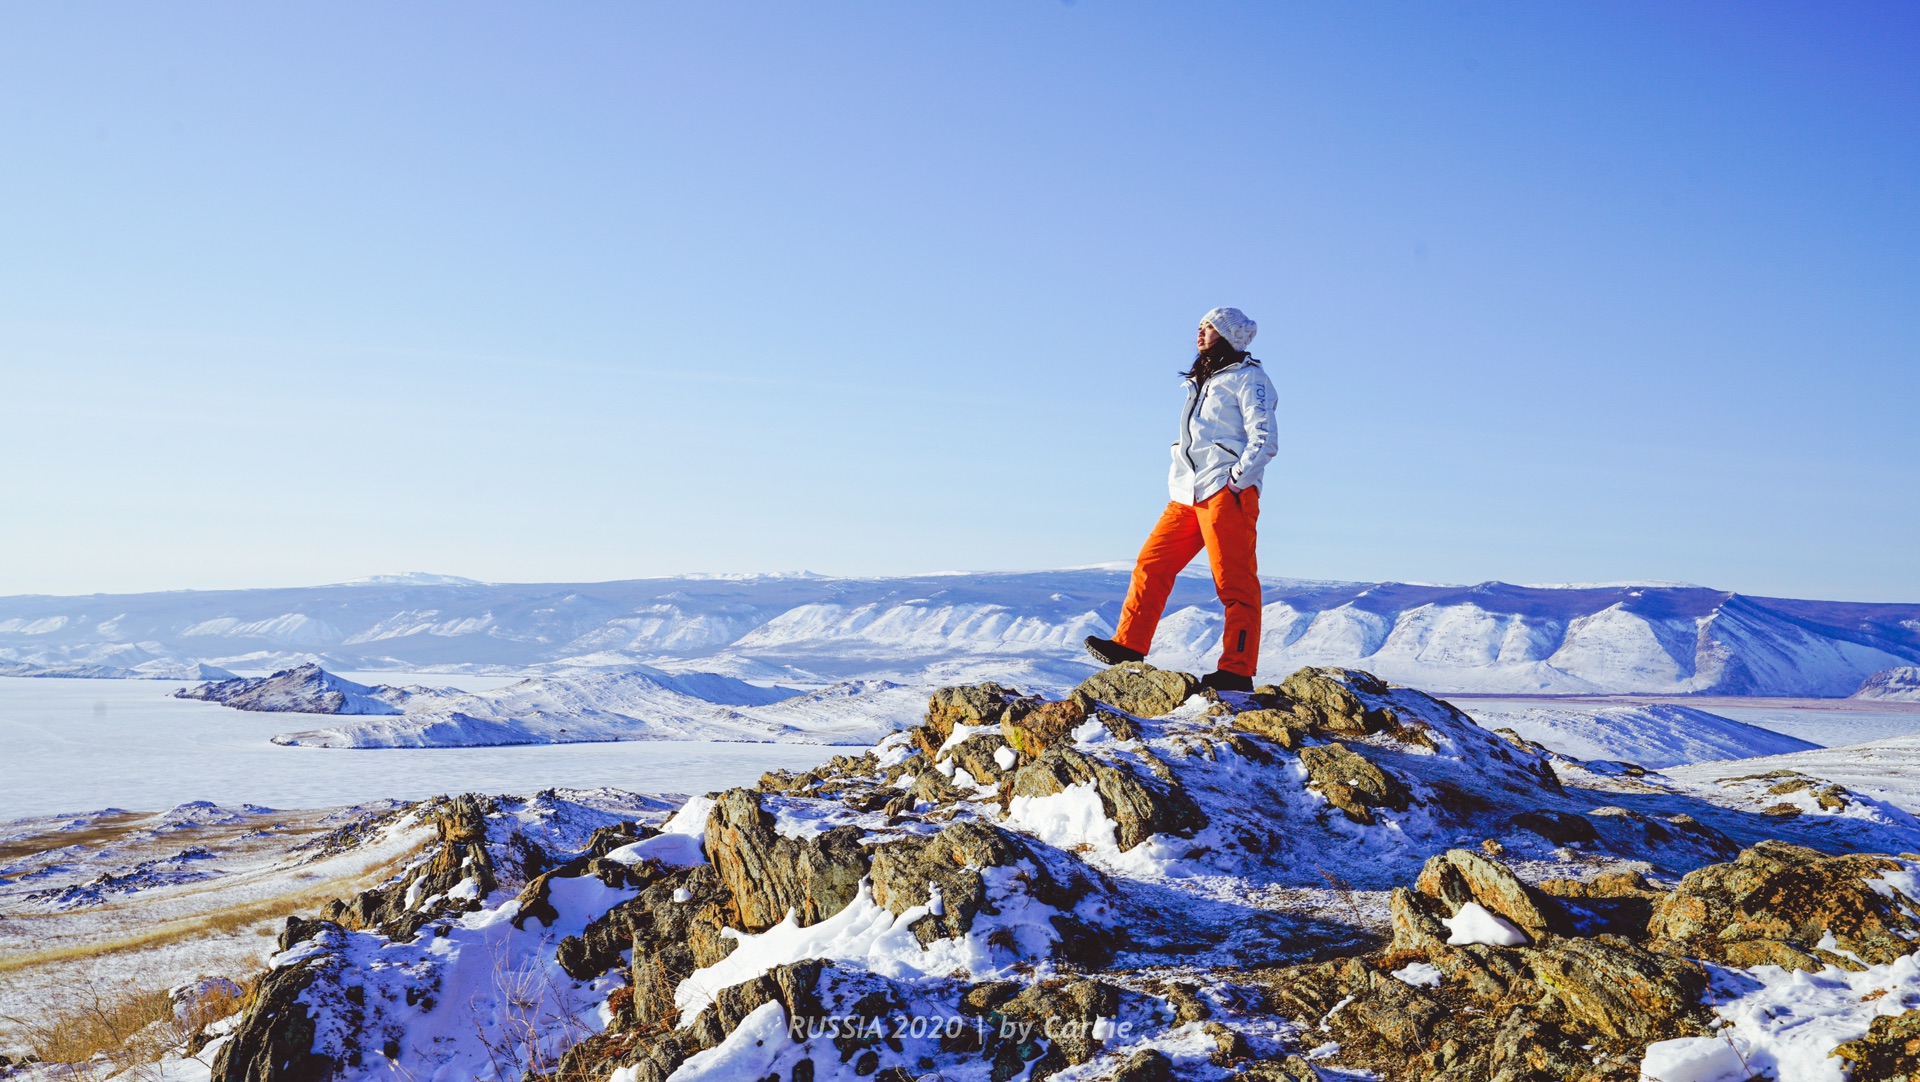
(1890, 1052)
(1146, 1065)
(1139, 807)
(965, 704)
(1283, 727)
(1138, 688)
(1617, 990)
(1326, 699)
(1459, 876)
(1068, 1010)
(1289, 1069)
(978, 755)
(767, 874)
(664, 934)
(1351, 782)
(1776, 901)
(1032, 727)
(905, 872)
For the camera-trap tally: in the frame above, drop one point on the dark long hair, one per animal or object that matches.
(1211, 360)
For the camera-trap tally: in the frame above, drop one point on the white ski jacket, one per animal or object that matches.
(1226, 433)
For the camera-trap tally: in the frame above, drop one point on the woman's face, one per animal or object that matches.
(1207, 337)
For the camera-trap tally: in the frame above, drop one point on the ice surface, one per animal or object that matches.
(84, 744)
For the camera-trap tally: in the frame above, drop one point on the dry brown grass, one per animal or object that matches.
(103, 831)
(108, 1028)
(92, 1019)
(225, 920)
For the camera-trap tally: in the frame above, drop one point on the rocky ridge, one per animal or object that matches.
(1133, 881)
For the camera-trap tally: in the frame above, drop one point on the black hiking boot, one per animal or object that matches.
(1222, 680)
(1108, 652)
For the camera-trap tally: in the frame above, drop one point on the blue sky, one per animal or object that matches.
(296, 293)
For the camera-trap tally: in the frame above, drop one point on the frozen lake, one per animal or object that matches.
(81, 745)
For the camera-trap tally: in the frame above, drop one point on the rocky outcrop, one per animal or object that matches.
(274, 1037)
(1030, 728)
(1562, 1007)
(1138, 807)
(1020, 932)
(401, 908)
(907, 874)
(1776, 903)
(768, 874)
(1459, 876)
(1351, 782)
(1890, 1052)
(1138, 688)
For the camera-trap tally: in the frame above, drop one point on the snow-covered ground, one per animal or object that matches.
(1888, 769)
(1654, 735)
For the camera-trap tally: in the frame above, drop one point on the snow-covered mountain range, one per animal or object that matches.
(1493, 637)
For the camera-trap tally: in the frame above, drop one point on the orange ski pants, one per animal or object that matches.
(1223, 524)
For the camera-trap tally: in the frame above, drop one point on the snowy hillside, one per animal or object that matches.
(1656, 735)
(639, 704)
(1898, 685)
(309, 689)
(1492, 637)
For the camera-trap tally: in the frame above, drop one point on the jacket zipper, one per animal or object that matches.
(1186, 430)
(1186, 423)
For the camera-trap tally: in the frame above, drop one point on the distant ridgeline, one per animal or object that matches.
(1492, 637)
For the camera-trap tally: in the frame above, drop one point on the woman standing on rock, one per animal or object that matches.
(1226, 438)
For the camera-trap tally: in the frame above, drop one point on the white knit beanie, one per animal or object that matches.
(1233, 325)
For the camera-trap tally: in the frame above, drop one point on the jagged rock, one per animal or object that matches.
(1622, 902)
(1326, 699)
(461, 852)
(1138, 688)
(1139, 809)
(1351, 783)
(967, 704)
(795, 987)
(672, 937)
(977, 756)
(1615, 989)
(951, 860)
(1070, 1008)
(1530, 1013)
(1032, 729)
(1230, 1046)
(1459, 876)
(767, 874)
(1890, 1052)
(1416, 922)
(1290, 1069)
(274, 1037)
(1146, 1065)
(1777, 901)
(1283, 727)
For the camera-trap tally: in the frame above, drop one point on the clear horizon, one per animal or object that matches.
(1551, 294)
